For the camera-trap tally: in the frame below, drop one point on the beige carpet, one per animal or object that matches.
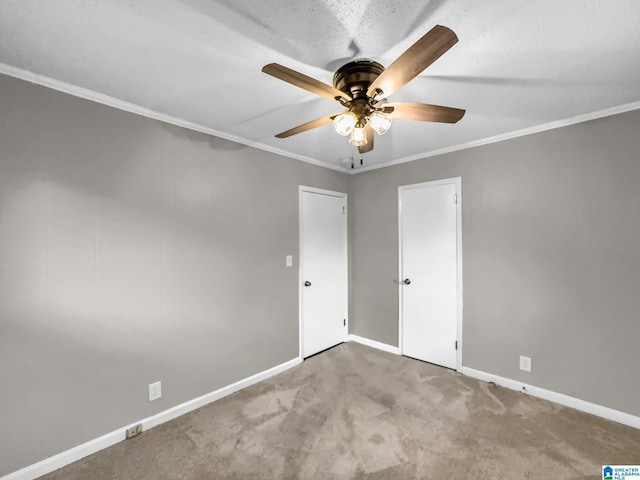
(355, 412)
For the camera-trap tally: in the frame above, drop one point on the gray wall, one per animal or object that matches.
(551, 239)
(132, 251)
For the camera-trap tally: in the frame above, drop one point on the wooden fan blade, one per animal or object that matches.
(367, 147)
(318, 122)
(414, 60)
(303, 81)
(425, 112)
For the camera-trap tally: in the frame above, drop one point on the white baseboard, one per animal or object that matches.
(560, 398)
(372, 343)
(60, 460)
(74, 454)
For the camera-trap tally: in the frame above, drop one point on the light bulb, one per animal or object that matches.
(380, 122)
(345, 122)
(358, 138)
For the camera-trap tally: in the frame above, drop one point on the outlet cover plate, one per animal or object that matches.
(135, 430)
(155, 391)
(525, 363)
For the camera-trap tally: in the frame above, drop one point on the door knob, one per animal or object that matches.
(307, 283)
(406, 281)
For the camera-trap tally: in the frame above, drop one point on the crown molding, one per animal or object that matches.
(627, 107)
(103, 99)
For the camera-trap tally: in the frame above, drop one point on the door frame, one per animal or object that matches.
(457, 181)
(301, 190)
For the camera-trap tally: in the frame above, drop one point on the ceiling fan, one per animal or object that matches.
(362, 86)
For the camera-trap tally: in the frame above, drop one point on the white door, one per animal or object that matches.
(430, 287)
(323, 269)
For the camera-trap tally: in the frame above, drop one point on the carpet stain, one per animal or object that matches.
(357, 413)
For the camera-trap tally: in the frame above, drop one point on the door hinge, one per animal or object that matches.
(344, 209)
(456, 344)
(344, 322)
(455, 198)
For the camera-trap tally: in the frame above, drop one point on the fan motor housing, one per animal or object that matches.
(355, 77)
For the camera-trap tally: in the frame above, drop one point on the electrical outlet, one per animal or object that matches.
(525, 363)
(155, 391)
(289, 261)
(135, 430)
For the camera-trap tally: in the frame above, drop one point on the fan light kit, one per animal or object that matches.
(362, 87)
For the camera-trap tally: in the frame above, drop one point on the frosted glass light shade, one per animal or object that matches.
(380, 122)
(358, 138)
(345, 122)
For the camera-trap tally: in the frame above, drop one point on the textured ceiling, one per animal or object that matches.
(518, 64)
